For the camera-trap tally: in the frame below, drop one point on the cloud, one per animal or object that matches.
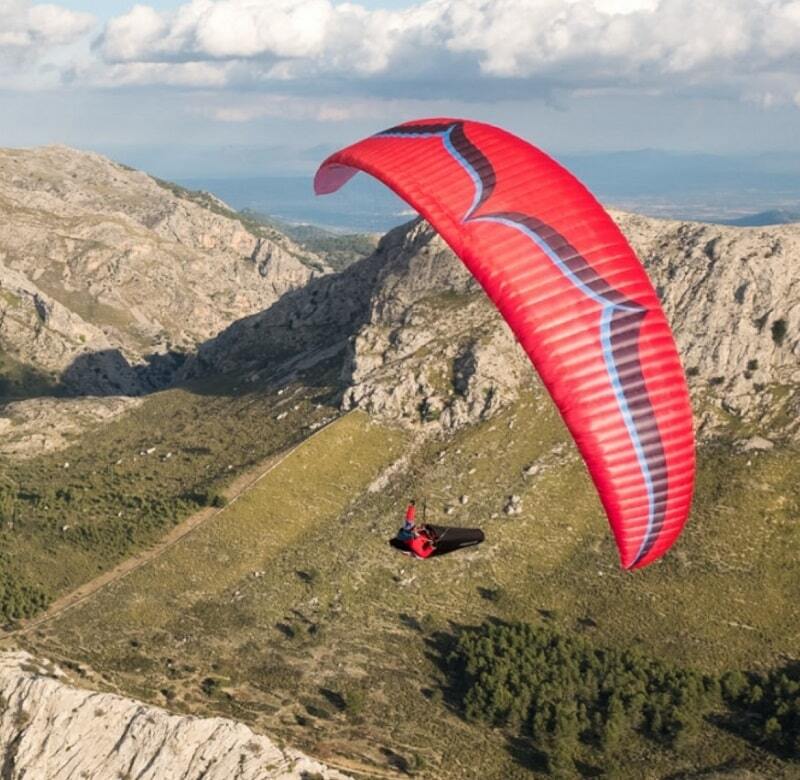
(29, 31)
(445, 46)
(143, 74)
(288, 107)
(466, 49)
(248, 108)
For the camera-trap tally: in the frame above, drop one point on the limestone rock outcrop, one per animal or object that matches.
(733, 298)
(110, 279)
(52, 729)
(421, 344)
(107, 275)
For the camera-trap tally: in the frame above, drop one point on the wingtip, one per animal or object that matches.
(331, 176)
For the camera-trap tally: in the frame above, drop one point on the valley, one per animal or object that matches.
(284, 607)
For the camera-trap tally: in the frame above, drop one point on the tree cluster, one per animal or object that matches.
(570, 698)
(18, 600)
(766, 707)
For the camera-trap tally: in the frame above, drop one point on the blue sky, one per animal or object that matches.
(228, 87)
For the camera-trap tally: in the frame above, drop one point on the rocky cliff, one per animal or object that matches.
(107, 276)
(43, 718)
(733, 298)
(420, 343)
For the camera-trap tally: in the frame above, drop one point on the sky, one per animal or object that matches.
(210, 88)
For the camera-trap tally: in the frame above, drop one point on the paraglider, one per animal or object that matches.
(576, 297)
(431, 540)
(426, 541)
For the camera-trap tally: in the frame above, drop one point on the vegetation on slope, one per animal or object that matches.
(21, 380)
(317, 632)
(65, 516)
(765, 707)
(578, 704)
(339, 249)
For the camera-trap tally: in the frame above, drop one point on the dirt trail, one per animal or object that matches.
(241, 485)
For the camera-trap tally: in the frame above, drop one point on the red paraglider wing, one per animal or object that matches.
(575, 295)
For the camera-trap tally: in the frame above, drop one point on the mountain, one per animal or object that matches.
(764, 218)
(420, 342)
(663, 184)
(109, 276)
(366, 206)
(338, 247)
(234, 525)
(43, 716)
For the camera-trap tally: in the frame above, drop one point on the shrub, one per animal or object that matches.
(210, 686)
(766, 707)
(218, 500)
(8, 499)
(18, 599)
(416, 763)
(354, 699)
(779, 331)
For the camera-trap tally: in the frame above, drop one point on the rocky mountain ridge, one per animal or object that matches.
(420, 343)
(408, 331)
(43, 717)
(109, 280)
(108, 276)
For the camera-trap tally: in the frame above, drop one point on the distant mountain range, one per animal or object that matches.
(769, 217)
(672, 185)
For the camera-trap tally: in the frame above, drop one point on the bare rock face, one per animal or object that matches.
(108, 279)
(422, 345)
(432, 350)
(104, 270)
(43, 719)
(417, 340)
(733, 298)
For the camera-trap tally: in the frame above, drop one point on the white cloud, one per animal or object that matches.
(625, 6)
(54, 25)
(473, 49)
(704, 45)
(143, 74)
(248, 108)
(36, 42)
(29, 31)
(126, 37)
(220, 30)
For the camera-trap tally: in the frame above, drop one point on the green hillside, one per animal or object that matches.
(288, 610)
(68, 515)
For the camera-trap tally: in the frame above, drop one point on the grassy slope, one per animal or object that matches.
(334, 644)
(81, 510)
